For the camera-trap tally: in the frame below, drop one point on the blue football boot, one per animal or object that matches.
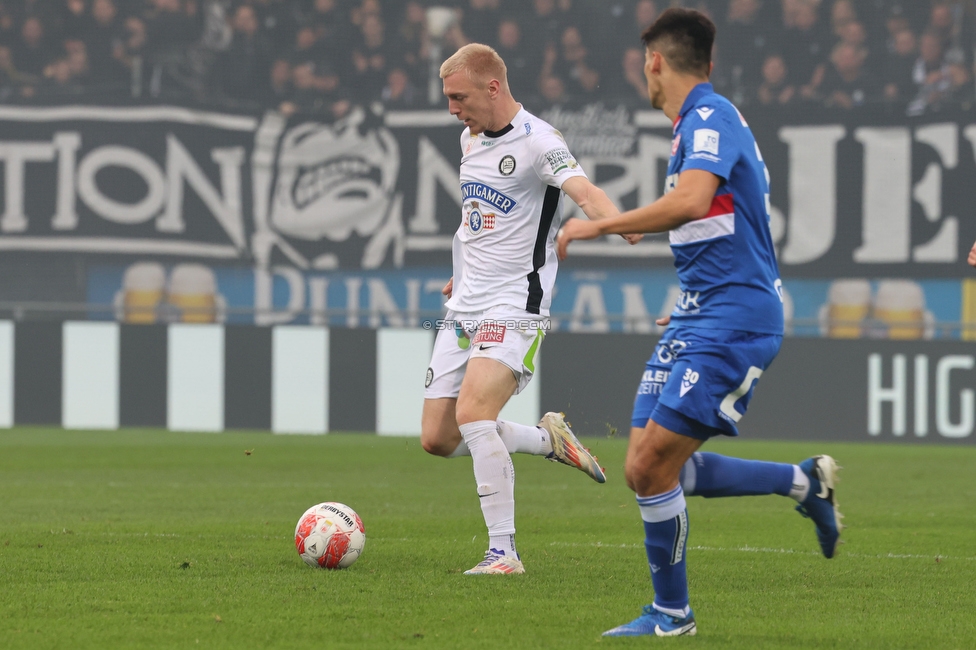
(653, 622)
(820, 504)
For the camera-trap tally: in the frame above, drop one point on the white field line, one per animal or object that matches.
(707, 549)
(780, 551)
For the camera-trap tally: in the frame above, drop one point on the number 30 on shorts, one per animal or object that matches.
(728, 404)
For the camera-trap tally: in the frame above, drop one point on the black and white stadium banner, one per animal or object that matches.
(863, 194)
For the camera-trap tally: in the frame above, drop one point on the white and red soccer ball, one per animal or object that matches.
(330, 535)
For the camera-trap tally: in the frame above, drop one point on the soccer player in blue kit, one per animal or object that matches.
(725, 330)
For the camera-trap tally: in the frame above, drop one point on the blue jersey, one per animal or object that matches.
(725, 260)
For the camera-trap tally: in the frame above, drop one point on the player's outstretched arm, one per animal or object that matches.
(690, 199)
(972, 256)
(594, 202)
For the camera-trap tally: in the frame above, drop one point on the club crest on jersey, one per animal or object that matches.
(478, 221)
(507, 165)
(489, 195)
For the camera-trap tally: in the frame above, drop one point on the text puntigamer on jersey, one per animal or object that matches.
(488, 195)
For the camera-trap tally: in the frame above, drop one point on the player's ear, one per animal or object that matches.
(493, 87)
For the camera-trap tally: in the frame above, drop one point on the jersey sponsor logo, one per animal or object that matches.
(675, 143)
(706, 141)
(688, 381)
(652, 382)
(489, 195)
(688, 302)
(528, 128)
(490, 333)
(560, 159)
(487, 143)
(705, 112)
(668, 352)
(507, 165)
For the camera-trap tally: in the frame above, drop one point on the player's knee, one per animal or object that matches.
(640, 475)
(435, 445)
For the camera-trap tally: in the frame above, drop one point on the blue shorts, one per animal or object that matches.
(699, 381)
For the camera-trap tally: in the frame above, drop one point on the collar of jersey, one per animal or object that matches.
(696, 93)
(500, 133)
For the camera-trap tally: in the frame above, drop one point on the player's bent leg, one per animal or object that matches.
(812, 484)
(439, 433)
(486, 388)
(714, 475)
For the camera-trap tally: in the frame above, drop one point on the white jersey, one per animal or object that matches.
(511, 191)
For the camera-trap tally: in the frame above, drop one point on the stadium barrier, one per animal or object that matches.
(312, 380)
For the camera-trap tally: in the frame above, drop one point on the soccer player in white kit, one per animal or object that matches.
(514, 170)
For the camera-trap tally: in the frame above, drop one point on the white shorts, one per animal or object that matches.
(506, 334)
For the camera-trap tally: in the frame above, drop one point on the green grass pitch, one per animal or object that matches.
(153, 539)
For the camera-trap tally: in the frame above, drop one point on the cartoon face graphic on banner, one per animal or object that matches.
(334, 180)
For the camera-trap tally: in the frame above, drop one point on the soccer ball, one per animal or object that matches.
(330, 535)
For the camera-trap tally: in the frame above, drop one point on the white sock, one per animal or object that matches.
(801, 484)
(677, 613)
(460, 450)
(524, 439)
(494, 474)
(503, 543)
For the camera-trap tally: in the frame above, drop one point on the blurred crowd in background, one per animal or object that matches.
(323, 56)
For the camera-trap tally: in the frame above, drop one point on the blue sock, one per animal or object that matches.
(713, 475)
(665, 538)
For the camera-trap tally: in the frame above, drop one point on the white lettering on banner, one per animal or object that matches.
(128, 158)
(636, 317)
(433, 171)
(946, 397)
(14, 156)
(67, 145)
(589, 310)
(943, 247)
(943, 398)
(887, 204)
(164, 195)
(921, 395)
(225, 207)
(894, 394)
(812, 221)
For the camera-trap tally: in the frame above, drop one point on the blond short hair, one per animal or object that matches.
(480, 62)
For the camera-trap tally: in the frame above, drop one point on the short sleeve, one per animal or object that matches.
(711, 145)
(553, 161)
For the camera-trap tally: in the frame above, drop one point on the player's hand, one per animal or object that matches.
(574, 229)
(448, 288)
(972, 256)
(633, 239)
(664, 321)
